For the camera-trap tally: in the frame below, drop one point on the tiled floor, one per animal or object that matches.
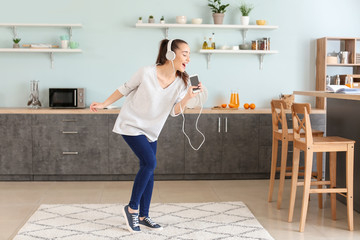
(19, 200)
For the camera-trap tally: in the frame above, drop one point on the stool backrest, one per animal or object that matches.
(299, 124)
(278, 115)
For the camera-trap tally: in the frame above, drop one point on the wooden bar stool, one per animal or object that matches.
(285, 135)
(309, 145)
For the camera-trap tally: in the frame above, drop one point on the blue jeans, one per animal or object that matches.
(144, 180)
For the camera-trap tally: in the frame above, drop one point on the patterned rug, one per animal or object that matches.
(203, 221)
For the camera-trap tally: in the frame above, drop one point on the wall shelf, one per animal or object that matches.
(51, 51)
(243, 28)
(261, 54)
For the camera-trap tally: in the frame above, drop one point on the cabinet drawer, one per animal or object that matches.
(15, 120)
(70, 161)
(70, 119)
(70, 136)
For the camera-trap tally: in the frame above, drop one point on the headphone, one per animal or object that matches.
(170, 55)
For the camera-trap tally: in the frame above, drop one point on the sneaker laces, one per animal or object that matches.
(135, 220)
(150, 221)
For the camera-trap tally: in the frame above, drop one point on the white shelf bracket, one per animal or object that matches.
(70, 33)
(14, 31)
(167, 33)
(208, 60)
(244, 32)
(261, 61)
(52, 59)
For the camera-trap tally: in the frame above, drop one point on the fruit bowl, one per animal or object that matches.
(260, 22)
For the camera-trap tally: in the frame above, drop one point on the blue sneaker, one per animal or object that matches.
(131, 219)
(147, 222)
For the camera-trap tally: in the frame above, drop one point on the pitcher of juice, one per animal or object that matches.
(236, 99)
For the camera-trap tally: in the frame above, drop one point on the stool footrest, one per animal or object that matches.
(329, 190)
(315, 183)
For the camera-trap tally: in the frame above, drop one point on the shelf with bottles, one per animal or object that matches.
(243, 28)
(51, 51)
(335, 56)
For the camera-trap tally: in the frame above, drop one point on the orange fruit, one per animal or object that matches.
(252, 106)
(246, 106)
(223, 105)
(231, 105)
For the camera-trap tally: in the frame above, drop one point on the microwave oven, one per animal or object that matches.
(66, 97)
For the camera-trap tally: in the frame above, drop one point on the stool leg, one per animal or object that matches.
(319, 162)
(307, 182)
(294, 179)
(349, 185)
(275, 144)
(332, 171)
(284, 152)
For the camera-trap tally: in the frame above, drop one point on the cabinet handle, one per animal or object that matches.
(70, 132)
(69, 120)
(70, 153)
(219, 125)
(226, 124)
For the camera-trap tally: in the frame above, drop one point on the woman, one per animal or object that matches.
(152, 93)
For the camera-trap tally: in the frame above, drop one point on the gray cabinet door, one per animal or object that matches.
(240, 144)
(122, 160)
(208, 158)
(70, 144)
(170, 148)
(15, 144)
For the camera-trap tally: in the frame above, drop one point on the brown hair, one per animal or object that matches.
(161, 58)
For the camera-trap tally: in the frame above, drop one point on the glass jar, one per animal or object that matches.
(254, 45)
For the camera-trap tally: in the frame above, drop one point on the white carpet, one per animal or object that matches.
(203, 221)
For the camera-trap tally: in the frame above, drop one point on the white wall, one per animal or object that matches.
(113, 49)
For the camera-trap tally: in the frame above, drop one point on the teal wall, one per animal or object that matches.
(113, 49)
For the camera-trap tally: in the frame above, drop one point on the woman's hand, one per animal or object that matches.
(95, 106)
(190, 92)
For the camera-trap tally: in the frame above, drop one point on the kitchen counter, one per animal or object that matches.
(328, 95)
(116, 111)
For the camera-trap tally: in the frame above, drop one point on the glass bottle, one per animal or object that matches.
(205, 45)
(337, 81)
(327, 80)
(213, 41)
(210, 43)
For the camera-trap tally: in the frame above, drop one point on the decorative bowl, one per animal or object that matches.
(245, 46)
(196, 21)
(260, 22)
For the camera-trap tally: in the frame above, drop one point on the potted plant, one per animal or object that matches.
(151, 19)
(218, 10)
(162, 19)
(16, 42)
(245, 9)
(140, 20)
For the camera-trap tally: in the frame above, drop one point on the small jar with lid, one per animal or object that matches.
(254, 45)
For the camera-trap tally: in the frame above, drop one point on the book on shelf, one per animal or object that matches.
(342, 89)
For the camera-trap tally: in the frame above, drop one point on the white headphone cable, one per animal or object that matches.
(196, 126)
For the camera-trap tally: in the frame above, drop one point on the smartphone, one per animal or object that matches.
(194, 80)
